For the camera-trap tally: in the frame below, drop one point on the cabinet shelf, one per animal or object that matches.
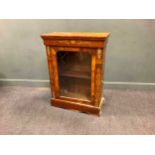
(76, 74)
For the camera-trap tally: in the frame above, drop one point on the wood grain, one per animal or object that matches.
(98, 73)
(50, 67)
(76, 35)
(93, 77)
(55, 72)
(76, 106)
(74, 43)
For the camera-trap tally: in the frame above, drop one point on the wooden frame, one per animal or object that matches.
(92, 43)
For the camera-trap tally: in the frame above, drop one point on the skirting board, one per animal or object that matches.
(45, 83)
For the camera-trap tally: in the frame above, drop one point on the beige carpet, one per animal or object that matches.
(27, 110)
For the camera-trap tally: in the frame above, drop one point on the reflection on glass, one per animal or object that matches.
(74, 70)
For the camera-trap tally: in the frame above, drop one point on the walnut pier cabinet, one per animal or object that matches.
(76, 66)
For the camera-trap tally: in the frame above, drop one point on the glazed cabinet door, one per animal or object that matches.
(75, 75)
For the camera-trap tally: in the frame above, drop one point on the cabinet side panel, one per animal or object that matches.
(103, 66)
(98, 76)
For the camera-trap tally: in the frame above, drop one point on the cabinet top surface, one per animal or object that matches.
(76, 35)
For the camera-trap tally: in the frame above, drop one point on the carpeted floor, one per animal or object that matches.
(27, 110)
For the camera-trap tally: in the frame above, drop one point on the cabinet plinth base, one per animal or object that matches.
(85, 108)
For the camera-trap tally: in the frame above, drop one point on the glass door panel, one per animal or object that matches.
(74, 70)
